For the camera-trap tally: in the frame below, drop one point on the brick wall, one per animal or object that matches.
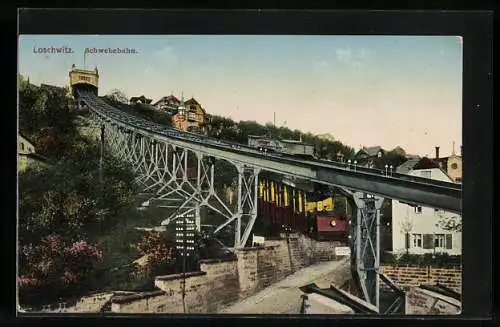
(216, 285)
(306, 251)
(405, 276)
(222, 282)
(261, 267)
(88, 303)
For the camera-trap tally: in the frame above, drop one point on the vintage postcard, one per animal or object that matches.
(240, 174)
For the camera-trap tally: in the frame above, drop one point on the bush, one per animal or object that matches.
(437, 260)
(56, 267)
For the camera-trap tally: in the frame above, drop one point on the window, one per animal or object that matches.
(425, 174)
(454, 165)
(22, 146)
(418, 209)
(379, 154)
(439, 211)
(458, 179)
(417, 240)
(428, 241)
(439, 241)
(448, 241)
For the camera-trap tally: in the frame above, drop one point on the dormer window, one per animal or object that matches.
(379, 154)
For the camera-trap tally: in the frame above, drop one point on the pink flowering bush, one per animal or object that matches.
(55, 267)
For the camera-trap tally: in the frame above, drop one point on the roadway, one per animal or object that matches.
(284, 297)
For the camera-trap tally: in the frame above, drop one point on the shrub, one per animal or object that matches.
(437, 260)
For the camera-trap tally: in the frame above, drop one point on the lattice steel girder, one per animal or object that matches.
(247, 201)
(367, 244)
(401, 187)
(201, 194)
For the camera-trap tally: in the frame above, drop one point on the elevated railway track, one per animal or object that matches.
(159, 154)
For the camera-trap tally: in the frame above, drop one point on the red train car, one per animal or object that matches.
(331, 227)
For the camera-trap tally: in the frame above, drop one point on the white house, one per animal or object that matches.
(416, 228)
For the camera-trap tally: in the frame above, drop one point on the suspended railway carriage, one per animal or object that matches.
(291, 208)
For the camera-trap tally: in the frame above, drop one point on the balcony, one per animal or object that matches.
(191, 116)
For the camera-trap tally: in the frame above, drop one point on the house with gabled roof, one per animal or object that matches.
(366, 155)
(191, 116)
(167, 103)
(369, 152)
(417, 229)
(142, 99)
(26, 155)
(452, 164)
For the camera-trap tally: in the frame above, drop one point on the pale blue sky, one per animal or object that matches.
(364, 90)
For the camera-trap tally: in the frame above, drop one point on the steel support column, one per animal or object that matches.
(247, 202)
(367, 245)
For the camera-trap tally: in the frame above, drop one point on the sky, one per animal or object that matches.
(363, 90)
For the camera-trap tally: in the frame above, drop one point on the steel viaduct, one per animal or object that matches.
(159, 157)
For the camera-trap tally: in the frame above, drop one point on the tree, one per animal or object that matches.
(406, 228)
(118, 96)
(449, 223)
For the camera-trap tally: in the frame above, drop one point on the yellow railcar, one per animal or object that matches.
(272, 192)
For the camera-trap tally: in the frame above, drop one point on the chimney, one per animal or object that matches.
(437, 152)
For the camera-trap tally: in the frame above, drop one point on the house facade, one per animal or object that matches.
(142, 99)
(366, 155)
(416, 229)
(297, 148)
(167, 103)
(452, 165)
(190, 117)
(24, 147)
(26, 156)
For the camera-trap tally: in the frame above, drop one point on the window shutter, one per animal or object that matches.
(428, 241)
(448, 241)
(407, 241)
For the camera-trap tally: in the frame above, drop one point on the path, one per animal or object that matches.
(284, 296)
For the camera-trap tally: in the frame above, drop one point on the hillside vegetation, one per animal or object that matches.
(76, 233)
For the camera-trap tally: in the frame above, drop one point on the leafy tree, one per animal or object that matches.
(118, 96)
(450, 223)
